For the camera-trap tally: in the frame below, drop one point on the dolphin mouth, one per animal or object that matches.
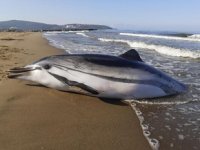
(19, 71)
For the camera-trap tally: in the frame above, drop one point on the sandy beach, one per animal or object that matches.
(33, 117)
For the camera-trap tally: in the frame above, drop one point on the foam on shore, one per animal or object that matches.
(154, 143)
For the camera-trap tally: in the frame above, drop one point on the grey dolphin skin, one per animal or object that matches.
(117, 77)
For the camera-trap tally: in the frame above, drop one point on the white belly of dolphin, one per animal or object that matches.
(115, 89)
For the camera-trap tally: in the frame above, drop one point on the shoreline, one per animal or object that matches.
(33, 117)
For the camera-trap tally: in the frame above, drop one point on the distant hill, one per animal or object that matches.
(26, 25)
(19, 25)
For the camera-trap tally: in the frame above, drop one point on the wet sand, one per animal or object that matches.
(34, 117)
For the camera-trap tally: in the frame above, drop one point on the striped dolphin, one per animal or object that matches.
(117, 77)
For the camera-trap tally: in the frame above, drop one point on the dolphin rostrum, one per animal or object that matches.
(117, 77)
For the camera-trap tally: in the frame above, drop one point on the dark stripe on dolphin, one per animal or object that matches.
(74, 83)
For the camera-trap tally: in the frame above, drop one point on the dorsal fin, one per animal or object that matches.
(131, 55)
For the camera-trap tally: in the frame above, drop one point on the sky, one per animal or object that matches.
(172, 15)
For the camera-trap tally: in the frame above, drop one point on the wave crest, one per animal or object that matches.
(195, 36)
(82, 34)
(190, 38)
(159, 48)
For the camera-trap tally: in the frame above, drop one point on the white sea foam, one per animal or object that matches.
(82, 34)
(160, 102)
(56, 44)
(154, 143)
(55, 32)
(195, 38)
(82, 31)
(59, 32)
(159, 48)
(181, 137)
(53, 42)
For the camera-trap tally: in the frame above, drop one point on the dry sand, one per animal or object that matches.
(33, 118)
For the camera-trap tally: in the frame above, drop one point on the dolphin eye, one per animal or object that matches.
(46, 66)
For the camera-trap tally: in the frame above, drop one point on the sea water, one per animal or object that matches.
(167, 123)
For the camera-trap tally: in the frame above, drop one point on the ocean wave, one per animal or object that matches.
(54, 33)
(81, 31)
(158, 48)
(82, 34)
(61, 32)
(195, 36)
(49, 33)
(190, 38)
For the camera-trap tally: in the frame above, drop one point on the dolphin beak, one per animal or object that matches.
(19, 71)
